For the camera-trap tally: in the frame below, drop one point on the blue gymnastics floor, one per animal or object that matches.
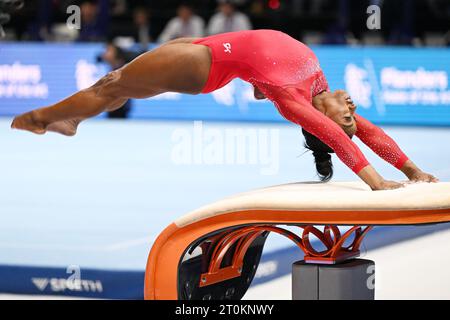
(98, 200)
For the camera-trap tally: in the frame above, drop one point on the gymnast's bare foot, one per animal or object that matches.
(30, 121)
(65, 127)
(33, 122)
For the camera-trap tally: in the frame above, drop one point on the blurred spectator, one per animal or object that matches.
(337, 32)
(142, 30)
(185, 24)
(228, 19)
(119, 7)
(47, 11)
(332, 21)
(94, 20)
(314, 7)
(401, 18)
(116, 57)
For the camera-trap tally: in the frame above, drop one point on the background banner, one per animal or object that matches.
(407, 86)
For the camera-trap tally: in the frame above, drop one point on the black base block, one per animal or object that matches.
(350, 280)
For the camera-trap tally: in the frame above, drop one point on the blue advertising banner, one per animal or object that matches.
(390, 85)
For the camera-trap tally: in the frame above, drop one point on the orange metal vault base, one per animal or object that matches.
(161, 278)
(214, 252)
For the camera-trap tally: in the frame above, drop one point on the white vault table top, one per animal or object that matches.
(331, 196)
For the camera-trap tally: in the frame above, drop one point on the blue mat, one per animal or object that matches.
(96, 202)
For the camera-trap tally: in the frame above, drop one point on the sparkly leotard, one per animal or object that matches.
(288, 73)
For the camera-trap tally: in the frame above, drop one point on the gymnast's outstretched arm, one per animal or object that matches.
(315, 122)
(385, 147)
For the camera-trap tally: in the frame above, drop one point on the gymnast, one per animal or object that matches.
(280, 69)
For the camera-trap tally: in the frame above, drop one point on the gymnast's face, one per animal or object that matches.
(339, 107)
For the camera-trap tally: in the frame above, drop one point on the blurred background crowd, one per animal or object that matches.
(403, 22)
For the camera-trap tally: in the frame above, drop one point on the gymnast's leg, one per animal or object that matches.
(174, 67)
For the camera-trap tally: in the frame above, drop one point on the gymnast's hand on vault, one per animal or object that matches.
(420, 176)
(387, 185)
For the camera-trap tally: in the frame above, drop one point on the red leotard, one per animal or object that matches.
(288, 73)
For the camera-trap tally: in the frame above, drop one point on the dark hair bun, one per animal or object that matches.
(322, 156)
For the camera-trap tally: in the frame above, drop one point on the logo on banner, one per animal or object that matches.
(87, 74)
(236, 93)
(40, 283)
(72, 283)
(62, 285)
(22, 81)
(358, 86)
(394, 86)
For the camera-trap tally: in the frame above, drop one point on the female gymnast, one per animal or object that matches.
(279, 67)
